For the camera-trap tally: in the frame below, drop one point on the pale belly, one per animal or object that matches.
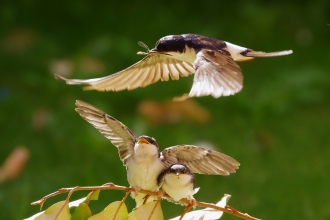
(144, 175)
(178, 188)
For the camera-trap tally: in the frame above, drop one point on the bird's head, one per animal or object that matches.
(146, 143)
(179, 169)
(171, 43)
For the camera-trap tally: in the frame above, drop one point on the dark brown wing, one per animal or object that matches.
(152, 68)
(217, 74)
(119, 135)
(199, 160)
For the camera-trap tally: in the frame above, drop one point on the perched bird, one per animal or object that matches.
(141, 156)
(212, 61)
(178, 182)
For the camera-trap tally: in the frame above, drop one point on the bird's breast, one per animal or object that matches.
(188, 55)
(176, 181)
(144, 174)
(178, 187)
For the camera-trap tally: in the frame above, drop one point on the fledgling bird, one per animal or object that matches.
(141, 156)
(212, 61)
(178, 182)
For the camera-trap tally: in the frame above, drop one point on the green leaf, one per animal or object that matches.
(93, 195)
(82, 212)
(77, 207)
(208, 213)
(144, 212)
(116, 211)
(58, 211)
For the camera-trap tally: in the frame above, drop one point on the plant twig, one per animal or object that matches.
(154, 208)
(112, 186)
(228, 209)
(121, 203)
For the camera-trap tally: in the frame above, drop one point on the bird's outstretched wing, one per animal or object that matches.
(199, 160)
(152, 68)
(119, 135)
(217, 74)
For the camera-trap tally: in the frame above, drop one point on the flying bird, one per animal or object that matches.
(212, 61)
(142, 158)
(178, 182)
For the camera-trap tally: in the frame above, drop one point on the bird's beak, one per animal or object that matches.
(142, 141)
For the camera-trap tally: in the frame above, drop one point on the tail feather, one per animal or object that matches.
(248, 53)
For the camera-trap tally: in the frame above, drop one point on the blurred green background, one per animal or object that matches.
(277, 127)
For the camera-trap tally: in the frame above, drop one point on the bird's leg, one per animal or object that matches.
(136, 190)
(192, 204)
(160, 194)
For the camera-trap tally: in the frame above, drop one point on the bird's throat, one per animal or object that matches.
(145, 154)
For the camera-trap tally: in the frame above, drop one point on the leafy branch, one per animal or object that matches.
(160, 194)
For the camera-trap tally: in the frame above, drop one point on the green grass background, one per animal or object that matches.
(277, 127)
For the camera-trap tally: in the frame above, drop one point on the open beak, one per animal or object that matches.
(142, 141)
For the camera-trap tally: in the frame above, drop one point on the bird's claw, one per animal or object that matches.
(160, 194)
(193, 203)
(136, 190)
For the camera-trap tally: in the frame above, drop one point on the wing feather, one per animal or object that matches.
(187, 67)
(199, 160)
(173, 75)
(137, 80)
(152, 68)
(149, 78)
(217, 74)
(158, 73)
(165, 70)
(119, 135)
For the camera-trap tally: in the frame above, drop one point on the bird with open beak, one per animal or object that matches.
(142, 158)
(212, 61)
